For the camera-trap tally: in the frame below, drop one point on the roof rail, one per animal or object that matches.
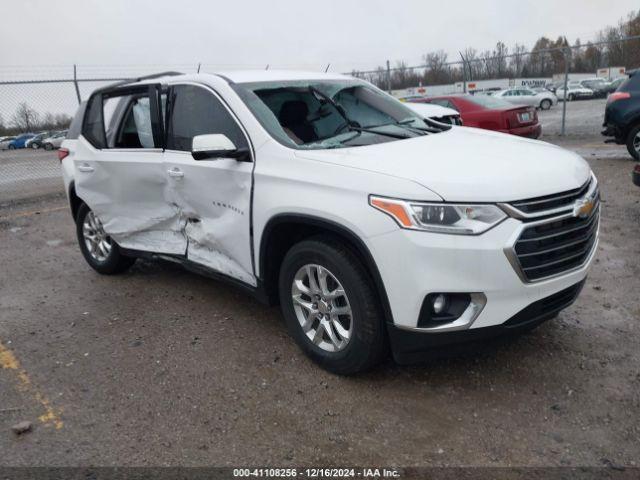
(139, 79)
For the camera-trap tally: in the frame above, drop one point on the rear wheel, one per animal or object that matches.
(98, 249)
(11, 147)
(571, 97)
(633, 142)
(545, 104)
(330, 306)
(48, 146)
(34, 146)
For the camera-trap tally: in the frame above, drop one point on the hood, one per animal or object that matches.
(430, 110)
(468, 164)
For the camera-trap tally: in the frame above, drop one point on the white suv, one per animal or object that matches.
(371, 226)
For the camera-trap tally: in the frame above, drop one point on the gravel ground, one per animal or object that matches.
(584, 118)
(28, 173)
(163, 367)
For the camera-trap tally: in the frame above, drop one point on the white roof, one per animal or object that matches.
(242, 76)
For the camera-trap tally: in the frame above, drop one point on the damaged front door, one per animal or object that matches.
(119, 171)
(213, 194)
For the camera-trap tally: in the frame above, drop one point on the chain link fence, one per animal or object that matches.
(43, 99)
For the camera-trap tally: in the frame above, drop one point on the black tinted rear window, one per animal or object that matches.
(631, 84)
(76, 125)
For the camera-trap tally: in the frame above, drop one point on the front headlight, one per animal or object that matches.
(458, 219)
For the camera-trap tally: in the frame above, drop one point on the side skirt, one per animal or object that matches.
(258, 292)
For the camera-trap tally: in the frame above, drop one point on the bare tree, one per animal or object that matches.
(518, 59)
(25, 119)
(437, 68)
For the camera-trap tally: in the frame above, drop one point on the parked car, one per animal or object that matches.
(526, 96)
(369, 226)
(19, 141)
(613, 85)
(575, 91)
(622, 115)
(493, 113)
(431, 111)
(54, 141)
(597, 85)
(36, 141)
(4, 142)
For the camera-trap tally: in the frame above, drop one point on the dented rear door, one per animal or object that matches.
(214, 196)
(119, 171)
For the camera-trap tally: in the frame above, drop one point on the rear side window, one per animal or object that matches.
(93, 127)
(76, 125)
(127, 117)
(196, 111)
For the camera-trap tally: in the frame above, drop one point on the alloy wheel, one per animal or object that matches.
(322, 307)
(98, 243)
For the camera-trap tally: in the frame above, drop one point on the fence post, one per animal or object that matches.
(464, 73)
(389, 77)
(75, 83)
(567, 54)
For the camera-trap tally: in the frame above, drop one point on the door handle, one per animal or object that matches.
(86, 168)
(175, 172)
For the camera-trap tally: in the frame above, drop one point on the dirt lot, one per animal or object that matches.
(163, 367)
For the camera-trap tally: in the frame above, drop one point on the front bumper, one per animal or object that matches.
(414, 264)
(411, 347)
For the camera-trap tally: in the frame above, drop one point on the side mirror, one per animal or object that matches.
(217, 145)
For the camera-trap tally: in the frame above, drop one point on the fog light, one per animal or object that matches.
(439, 303)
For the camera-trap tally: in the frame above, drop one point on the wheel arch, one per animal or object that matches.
(74, 200)
(285, 230)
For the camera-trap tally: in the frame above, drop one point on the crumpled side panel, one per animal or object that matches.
(129, 197)
(214, 199)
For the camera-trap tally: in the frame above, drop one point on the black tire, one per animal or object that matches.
(633, 151)
(571, 97)
(367, 345)
(115, 262)
(48, 146)
(11, 147)
(545, 104)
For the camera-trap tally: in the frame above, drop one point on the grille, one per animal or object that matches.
(558, 245)
(551, 202)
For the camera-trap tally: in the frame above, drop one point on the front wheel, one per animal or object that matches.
(633, 142)
(330, 306)
(11, 147)
(571, 97)
(98, 249)
(48, 146)
(545, 104)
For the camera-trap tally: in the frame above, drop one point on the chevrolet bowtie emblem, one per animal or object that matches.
(583, 207)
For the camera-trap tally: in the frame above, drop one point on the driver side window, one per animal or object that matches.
(193, 110)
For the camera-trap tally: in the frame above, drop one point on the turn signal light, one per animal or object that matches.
(62, 153)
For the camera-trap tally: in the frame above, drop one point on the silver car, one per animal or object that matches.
(54, 141)
(525, 96)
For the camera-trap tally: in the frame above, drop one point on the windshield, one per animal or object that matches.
(489, 102)
(319, 114)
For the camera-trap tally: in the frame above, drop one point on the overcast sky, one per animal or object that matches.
(287, 33)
